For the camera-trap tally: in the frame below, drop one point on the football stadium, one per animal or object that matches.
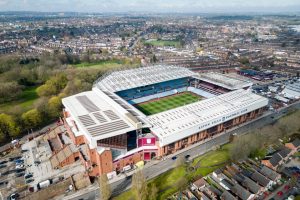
(135, 115)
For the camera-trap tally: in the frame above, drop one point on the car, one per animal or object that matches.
(174, 158)
(37, 162)
(3, 166)
(19, 160)
(19, 170)
(3, 183)
(26, 176)
(29, 180)
(3, 162)
(20, 166)
(13, 196)
(187, 156)
(14, 158)
(280, 193)
(20, 174)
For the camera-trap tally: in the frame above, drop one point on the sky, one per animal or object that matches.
(195, 6)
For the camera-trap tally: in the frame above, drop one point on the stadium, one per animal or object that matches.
(146, 113)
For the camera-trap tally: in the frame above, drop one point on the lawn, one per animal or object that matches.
(203, 165)
(162, 43)
(25, 101)
(167, 103)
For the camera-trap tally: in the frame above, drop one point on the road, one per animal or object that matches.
(158, 167)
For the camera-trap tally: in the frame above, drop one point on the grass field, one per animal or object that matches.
(25, 101)
(162, 43)
(166, 183)
(167, 103)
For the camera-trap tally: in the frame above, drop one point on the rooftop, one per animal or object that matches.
(228, 81)
(132, 78)
(98, 115)
(184, 121)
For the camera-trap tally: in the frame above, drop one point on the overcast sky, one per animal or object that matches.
(200, 6)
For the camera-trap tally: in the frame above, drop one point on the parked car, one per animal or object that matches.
(26, 176)
(187, 156)
(3, 166)
(3, 162)
(20, 174)
(19, 161)
(14, 158)
(29, 180)
(13, 196)
(174, 158)
(3, 183)
(20, 166)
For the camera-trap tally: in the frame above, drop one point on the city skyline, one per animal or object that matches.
(202, 6)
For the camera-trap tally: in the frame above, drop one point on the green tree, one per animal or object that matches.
(53, 86)
(31, 118)
(54, 106)
(8, 127)
(104, 187)
(139, 185)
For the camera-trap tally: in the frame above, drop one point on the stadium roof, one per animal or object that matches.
(132, 78)
(225, 80)
(98, 116)
(181, 122)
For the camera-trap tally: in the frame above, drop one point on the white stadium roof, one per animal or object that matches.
(224, 80)
(132, 78)
(181, 122)
(98, 116)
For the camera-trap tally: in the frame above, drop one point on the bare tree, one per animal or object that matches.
(139, 185)
(152, 191)
(180, 161)
(104, 187)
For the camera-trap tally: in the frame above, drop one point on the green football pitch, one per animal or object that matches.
(167, 103)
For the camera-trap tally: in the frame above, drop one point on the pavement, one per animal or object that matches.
(154, 168)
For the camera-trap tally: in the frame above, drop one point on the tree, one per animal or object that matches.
(152, 192)
(53, 86)
(104, 187)
(139, 185)
(180, 161)
(8, 127)
(54, 106)
(31, 118)
(181, 183)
